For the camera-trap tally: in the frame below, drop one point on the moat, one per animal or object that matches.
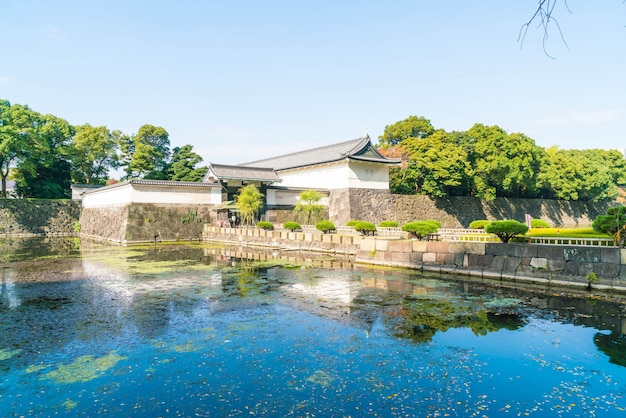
(88, 328)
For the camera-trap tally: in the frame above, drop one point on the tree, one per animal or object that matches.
(411, 127)
(436, 166)
(44, 169)
(183, 165)
(94, 152)
(308, 205)
(613, 223)
(17, 123)
(421, 229)
(505, 230)
(147, 153)
(249, 202)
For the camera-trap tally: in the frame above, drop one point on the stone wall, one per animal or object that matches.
(38, 216)
(146, 222)
(457, 212)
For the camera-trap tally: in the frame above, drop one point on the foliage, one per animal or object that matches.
(434, 222)
(352, 222)
(539, 223)
(191, 216)
(592, 278)
(93, 154)
(388, 224)
(183, 165)
(147, 153)
(325, 226)
(411, 127)
(249, 202)
(268, 226)
(420, 229)
(505, 230)
(308, 205)
(479, 224)
(292, 226)
(365, 227)
(613, 222)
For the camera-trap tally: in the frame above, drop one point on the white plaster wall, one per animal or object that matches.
(327, 176)
(289, 197)
(137, 193)
(364, 175)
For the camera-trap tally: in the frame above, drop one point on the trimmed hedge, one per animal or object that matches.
(479, 224)
(352, 222)
(539, 223)
(292, 226)
(421, 228)
(325, 226)
(268, 226)
(365, 228)
(388, 224)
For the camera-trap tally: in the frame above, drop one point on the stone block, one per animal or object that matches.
(437, 246)
(610, 255)
(606, 270)
(494, 248)
(450, 259)
(539, 263)
(571, 268)
(556, 265)
(511, 264)
(551, 252)
(420, 246)
(521, 250)
(497, 262)
(335, 239)
(401, 257)
(473, 261)
(485, 261)
(418, 257)
(441, 258)
(368, 244)
(582, 254)
(429, 257)
(459, 259)
(381, 244)
(476, 248)
(585, 268)
(400, 246)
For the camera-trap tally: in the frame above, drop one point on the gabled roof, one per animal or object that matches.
(356, 149)
(236, 172)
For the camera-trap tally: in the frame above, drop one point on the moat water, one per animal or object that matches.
(163, 330)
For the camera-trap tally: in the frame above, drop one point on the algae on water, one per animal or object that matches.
(84, 368)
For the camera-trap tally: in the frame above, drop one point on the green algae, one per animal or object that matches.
(6, 354)
(36, 368)
(188, 347)
(321, 378)
(69, 404)
(83, 369)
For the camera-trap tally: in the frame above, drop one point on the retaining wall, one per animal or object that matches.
(562, 265)
(38, 216)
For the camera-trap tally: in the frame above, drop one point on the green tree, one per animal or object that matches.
(44, 170)
(411, 127)
(613, 222)
(436, 166)
(249, 202)
(17, 125)
(94, 153)
(146, 154)
(308, 206)
(505, 230)
(183, 165)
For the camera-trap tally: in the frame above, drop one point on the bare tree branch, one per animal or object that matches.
(544, 17)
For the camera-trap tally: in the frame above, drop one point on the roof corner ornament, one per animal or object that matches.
(367, 135)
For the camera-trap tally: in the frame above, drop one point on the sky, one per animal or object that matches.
(246, 80)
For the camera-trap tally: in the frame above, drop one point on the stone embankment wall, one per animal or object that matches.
(457, 212)
(560, 265)
(38, 216)
(146, 222)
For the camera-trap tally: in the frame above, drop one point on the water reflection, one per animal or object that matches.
(281, 323)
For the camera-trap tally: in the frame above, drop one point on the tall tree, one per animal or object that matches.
(411, 127)
(146, 154)
(309, 205)
(17, 124)
(94, 153)
(44, 171)
(183, 165)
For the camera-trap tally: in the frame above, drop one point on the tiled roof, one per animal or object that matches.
(236, 172)
(145, 182)
(358, 149)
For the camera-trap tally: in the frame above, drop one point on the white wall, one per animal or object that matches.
(289, 197)
(338, 175)
(138, 193)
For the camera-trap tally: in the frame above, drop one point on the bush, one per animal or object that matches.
(325, 226)
(420, 228)
(505, 230)
(365, 228)
(434, 222)
(292, 226)
(479, 224)
(268, 226)
(539, 223)
(352, 222)
(388, 224)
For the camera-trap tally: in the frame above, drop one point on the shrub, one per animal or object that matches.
(265, 225)
(365, 228)
(434, 222)
(292, 226)
(505, 230)
(325, 226)
(352, 222)
(420, 228)
(539, 223)
(479, 224)
(388, 224)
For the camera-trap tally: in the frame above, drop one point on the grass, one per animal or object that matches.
(566, 233)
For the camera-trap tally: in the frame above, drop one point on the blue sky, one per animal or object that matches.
(243, 80)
